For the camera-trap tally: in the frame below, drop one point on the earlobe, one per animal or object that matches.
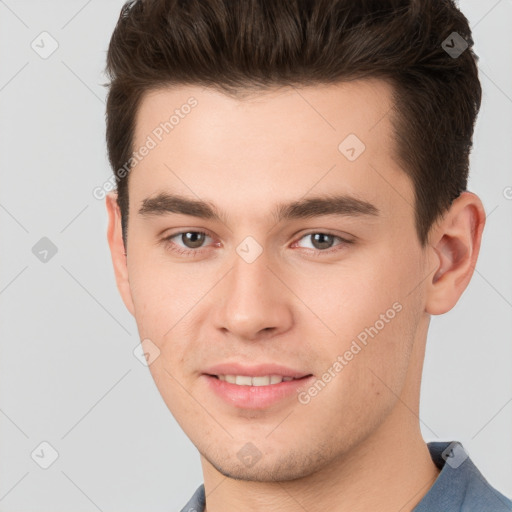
(117, 250)
(455, 244)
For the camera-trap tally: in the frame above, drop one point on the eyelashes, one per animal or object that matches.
(203, 235)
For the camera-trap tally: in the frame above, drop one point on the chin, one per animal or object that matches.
(280, 469)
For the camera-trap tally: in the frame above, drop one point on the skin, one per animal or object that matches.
(357, 445)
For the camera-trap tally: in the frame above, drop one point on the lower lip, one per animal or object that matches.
(255, 397)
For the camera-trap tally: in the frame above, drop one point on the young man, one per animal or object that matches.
(291, 209)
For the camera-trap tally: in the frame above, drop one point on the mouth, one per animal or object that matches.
(258, 391)
(261, 380)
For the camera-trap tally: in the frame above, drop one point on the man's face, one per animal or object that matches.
(302, 292)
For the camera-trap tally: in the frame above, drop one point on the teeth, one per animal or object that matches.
(258, 381)
(244, 380)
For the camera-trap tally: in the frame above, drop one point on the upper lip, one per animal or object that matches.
(258, 370)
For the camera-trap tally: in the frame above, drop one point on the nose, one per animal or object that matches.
(252, 301)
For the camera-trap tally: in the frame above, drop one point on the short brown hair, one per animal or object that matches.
(242, 45)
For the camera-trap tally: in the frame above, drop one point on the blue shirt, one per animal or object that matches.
(459, 487)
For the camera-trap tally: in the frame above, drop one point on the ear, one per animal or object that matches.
(117, 250)
(455, 244)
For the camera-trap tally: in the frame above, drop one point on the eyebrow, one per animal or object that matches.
(341, 205)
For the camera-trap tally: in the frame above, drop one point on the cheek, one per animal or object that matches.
(370, 367)
(385, 328)
(160, 303)
(161, 295)
(372, 318)
(165, 297)
(347, 298)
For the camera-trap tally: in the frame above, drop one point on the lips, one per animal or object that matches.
(260, 380)
(260, 370)
(254, 387)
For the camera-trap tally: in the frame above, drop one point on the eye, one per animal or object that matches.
(323, 242)
(191, 240)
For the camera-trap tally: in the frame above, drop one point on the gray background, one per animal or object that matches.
(67, 369)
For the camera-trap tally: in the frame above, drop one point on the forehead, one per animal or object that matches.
(279, 143)
(309, 113)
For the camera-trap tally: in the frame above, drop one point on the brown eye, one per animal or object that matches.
(186, 242)
(322, 240)
(193, 239)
